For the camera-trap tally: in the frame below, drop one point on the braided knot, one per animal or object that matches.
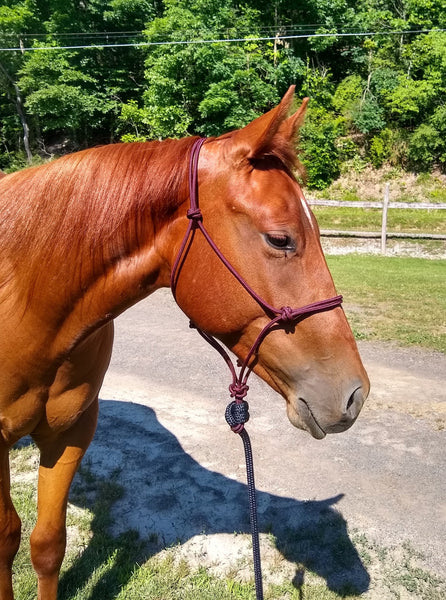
(236, 414)
(194, 214)
(287, 314)
(238, 390)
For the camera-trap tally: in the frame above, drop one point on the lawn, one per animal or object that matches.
(369, 219)
(389, 298)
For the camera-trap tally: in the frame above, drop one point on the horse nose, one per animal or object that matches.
(350, 411)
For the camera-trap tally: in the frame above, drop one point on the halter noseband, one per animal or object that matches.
(282, 317)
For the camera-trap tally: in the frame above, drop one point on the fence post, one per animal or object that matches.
(384, 219)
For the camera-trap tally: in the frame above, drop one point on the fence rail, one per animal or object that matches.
(376, 204)
(384, 207)
(377, 234)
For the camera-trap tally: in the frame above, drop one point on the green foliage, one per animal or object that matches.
(423, 147)
(318, 144)
(129, 15)
(348, 94)
(59, 95)
(209, 88)
(386, 92)
(318, 86)
(368, 116)
(409, 100)
(380, 148)
(438, 122)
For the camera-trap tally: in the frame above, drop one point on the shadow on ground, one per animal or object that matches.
(159, 495)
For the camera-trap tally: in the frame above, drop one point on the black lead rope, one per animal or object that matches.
(253, 514)
(236, 415)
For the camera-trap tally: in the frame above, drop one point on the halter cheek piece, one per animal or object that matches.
(237, 411)
(283, 317)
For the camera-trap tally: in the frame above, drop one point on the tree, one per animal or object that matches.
(15, 20)
(62, 98)
(208, 88)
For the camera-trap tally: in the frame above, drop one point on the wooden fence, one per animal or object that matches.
(384, 206)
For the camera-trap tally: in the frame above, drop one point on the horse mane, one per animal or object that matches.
(91, 208)
(92, 204)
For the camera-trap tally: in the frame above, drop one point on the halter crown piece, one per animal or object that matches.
(237, 411)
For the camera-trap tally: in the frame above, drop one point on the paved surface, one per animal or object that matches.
(162, 425)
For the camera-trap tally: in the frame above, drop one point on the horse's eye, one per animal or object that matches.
(280, 241)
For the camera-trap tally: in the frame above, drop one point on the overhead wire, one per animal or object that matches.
(278, 36)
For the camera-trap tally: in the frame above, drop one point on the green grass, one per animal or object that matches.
(398, 299)
(369, 186)
(369, 219)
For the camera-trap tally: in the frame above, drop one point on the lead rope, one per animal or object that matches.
(252, 499)
(237, 413)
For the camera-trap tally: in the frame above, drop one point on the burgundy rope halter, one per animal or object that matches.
(283, 317)
(237, 411)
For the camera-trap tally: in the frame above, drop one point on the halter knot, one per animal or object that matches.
(287, 314)
(194, 214)
(238, 390)
(236, 415)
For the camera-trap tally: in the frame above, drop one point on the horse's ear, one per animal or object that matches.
(290, 127)
(257, 138)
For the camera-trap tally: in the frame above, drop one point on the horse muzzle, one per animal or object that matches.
(324, 414)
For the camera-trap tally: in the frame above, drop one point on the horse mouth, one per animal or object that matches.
(310, 420)
(302, 417)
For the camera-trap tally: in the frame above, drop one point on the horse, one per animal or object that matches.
(88, 235)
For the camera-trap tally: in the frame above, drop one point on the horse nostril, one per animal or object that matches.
(350, 401)
(354, 403)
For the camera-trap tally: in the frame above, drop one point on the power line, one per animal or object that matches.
(290, 28)
(222, 40)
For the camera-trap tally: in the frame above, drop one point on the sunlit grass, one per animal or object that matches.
(398, 299)
(369, 219)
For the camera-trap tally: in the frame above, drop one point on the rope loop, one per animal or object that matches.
(194, 214)
(236, 415)
(238, 390)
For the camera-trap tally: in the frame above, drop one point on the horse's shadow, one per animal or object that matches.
(173, 498)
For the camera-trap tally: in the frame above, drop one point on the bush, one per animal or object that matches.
(423, 147)
(381, 148)
(348, 94)
(438, 122)
(368, 116)
(389, 146)
(320, 152)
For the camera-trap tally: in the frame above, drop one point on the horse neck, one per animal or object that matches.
(101, 256)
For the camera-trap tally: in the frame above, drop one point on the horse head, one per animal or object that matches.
(256, 214)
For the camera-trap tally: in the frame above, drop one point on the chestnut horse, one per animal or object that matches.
(85, 237)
